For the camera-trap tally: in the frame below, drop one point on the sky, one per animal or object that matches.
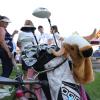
(69, 15)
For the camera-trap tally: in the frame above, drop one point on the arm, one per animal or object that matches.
(61, 39)
(64, 50)
(19, 41)
(19, 44)
(15, 32)
(91, 36)
(3, 43)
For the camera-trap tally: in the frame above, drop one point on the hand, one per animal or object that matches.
(15, 32)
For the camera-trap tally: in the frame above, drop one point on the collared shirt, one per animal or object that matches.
(43, 38)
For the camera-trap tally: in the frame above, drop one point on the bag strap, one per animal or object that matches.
(60, 63)
(52, 68)
(70, 64)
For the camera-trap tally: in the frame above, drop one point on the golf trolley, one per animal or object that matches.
(20, 88)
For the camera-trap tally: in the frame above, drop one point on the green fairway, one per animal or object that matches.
(93, 88)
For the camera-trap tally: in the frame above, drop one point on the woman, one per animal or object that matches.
(56, 39)
(6, 47)
(27, 42)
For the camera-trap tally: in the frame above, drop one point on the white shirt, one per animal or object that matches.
(57, 37)
(43, 38)
(26, 39)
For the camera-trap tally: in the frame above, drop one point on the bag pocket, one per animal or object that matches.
(70, 91)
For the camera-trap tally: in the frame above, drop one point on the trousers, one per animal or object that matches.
(7, 65)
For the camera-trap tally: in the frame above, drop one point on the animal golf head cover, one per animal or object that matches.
(84, 46)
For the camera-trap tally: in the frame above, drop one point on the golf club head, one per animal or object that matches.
(41, 13)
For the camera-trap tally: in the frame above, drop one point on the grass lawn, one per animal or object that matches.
(93, 88)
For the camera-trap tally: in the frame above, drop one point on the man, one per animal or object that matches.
(44, 38)
(6, 47)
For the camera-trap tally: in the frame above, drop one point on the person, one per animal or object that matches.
(55, 36)
(91, 36)
(44, 37)
(27, 41)
(56, 39)
(96, 39)
(14, 44)
(52, 76)
(6, 47)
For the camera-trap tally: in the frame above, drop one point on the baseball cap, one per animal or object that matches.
(4, 19)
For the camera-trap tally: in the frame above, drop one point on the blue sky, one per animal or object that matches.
(69, 15)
